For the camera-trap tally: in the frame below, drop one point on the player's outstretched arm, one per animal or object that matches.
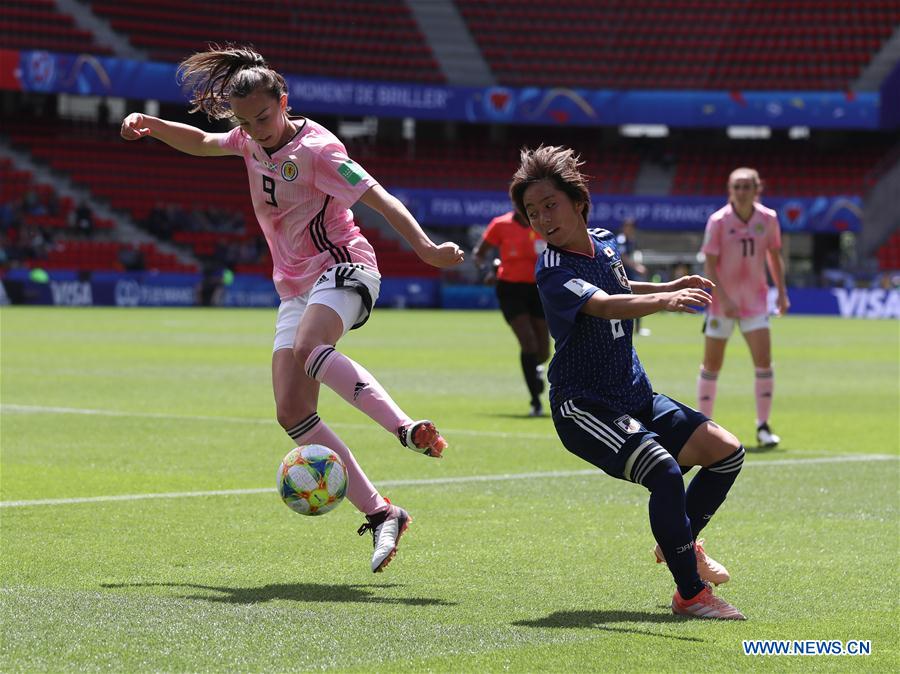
(693, 281)
(182, 137)
(686, 300)
(437, 255)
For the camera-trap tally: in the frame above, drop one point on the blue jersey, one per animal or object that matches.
(594, 358)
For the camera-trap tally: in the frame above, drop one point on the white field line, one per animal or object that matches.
(424, 481)
(39, 409)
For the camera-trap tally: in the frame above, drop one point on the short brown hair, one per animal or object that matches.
(550, 162)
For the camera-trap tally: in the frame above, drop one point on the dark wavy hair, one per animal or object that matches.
(550, 162)
(219, 74)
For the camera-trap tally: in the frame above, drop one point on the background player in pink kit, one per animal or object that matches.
(740, 240)
(302, 184)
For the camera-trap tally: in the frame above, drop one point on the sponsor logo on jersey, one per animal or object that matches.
(628, 424)
(619, 270)
(577, 286)
(289, 171)
(351, 171)
(609, 251)
(272, 166)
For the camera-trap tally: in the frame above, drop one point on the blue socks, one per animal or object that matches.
(708, 489)
(671, 526)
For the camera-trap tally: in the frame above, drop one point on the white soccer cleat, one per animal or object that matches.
(705, 605)
(387, 527)
(765, 437)
(708, 569)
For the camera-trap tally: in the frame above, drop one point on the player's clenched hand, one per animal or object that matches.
(446, 254)
(687, 300)
(783, 303)
(133, 127)
(693, 281)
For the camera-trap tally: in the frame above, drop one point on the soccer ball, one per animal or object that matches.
(312, 480)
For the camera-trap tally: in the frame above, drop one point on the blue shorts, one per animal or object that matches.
(622, 445)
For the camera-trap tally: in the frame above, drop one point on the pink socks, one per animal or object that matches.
(360, 491)
(706, 391)
(356, 385)
(763, 387)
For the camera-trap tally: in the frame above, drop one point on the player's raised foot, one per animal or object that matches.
(708, 569)
(765, 437)
(422, 437)
(705, 605)
(387, 527)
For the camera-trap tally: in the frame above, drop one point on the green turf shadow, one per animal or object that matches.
(303, 592)
(601, 620)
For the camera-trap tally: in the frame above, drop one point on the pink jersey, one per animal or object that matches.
(741, 249)
(302, 196)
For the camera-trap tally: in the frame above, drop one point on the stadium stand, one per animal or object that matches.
(787, 169)
(42, 229)
(202, 205)
(889, 253)
(136, 183)
(38, 24)
(312, 37)
(709, 44)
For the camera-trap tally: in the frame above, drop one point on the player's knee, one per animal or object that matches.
(725, 443)
(302, 350)
(289, 412)
(709, 370)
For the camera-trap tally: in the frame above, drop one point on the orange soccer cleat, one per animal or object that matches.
(705, 605)
(708, 569)
(422, 437)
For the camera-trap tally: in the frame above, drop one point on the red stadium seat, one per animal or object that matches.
(754, 44)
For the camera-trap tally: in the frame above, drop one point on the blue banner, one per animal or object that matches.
(153, 289)
(843, 302)
(674, 213)
(108, 76)
(147, 289)
(870, 303)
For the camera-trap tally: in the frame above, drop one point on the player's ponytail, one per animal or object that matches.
(215, 76)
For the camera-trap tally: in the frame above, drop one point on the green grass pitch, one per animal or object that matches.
(520, 558)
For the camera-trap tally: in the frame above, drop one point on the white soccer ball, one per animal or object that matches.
(312, 480)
